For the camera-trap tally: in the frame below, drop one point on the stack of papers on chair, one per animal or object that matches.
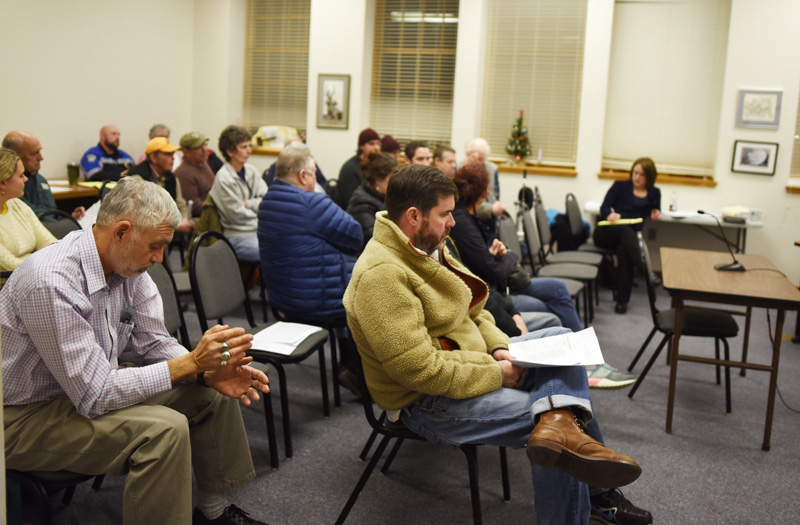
(283, 338)
(573, 349)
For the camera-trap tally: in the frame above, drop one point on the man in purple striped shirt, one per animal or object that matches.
(67, 313)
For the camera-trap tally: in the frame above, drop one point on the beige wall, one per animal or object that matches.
(71, 67)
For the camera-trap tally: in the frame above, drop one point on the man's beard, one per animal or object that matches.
(110, 147)
(427, 241)
(121, 263)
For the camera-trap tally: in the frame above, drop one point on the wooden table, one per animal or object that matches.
(62, 190)
(690, 275)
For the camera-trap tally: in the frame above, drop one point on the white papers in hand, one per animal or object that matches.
(283, 338)
(573, 349)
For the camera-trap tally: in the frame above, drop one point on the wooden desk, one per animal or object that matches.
(690, 275)
(62, 191)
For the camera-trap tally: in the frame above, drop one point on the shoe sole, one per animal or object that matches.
(597, 472)
(607, 384)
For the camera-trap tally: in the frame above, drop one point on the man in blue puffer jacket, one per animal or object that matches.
(308, 244)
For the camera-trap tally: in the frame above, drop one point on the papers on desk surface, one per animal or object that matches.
(619, 222)
(573, 349)
(680, 214)
(283, 338)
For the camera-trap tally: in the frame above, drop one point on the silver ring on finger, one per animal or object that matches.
(223, 362)
(224, 352)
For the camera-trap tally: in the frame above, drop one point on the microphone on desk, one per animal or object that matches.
(735, 266)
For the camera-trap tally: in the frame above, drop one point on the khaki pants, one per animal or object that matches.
(156, 443)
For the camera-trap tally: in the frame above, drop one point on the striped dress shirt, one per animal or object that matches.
(64, 327)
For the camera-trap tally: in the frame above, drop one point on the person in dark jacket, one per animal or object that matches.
(368, 199)
(308, 247)
(350, 176)
(492, 262)
(635, 198)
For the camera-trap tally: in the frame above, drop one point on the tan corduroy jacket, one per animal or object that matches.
(404, 308)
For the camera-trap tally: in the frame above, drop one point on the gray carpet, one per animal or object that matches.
(710, 470)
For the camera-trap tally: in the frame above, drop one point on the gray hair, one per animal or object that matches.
(477, 143)
(292, 159)
(158, 128)
(145, 204)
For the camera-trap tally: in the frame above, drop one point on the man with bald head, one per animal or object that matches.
(106, 161)
(37, 190)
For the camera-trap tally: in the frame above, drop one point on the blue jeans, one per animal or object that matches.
(246, 248)
(506, 418)
(549, 295)
(539, 320)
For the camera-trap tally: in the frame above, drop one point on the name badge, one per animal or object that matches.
(45, 186)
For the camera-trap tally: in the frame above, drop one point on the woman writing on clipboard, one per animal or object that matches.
(635, 198)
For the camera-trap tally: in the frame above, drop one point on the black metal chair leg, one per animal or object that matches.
(269, 416)
(371, 439)
(69, 492)
(641, 350)
(287, 430)
(323, 380)
(472, 465)
(362, 481)
(647, 367)
(98, 482)
(392, 454)
(727, 378)
(716, 354)
(337, 397)
(504, 474)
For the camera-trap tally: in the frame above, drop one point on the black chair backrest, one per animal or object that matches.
(573, 215)
(542, 227)
(531, 235)
(173, 316)
(60, 228)
(450, 244)
(525, 197)
(216, 280)
(507, 233)
(651, 287)
(104, 189)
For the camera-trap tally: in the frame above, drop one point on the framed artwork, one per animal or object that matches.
(759, 109)
(754, 157)
(333, 101)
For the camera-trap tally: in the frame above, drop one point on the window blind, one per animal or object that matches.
(276, 63)
(665, 83)
(413, 69)
(534, 62)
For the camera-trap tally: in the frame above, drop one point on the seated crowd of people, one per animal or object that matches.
(420, 322)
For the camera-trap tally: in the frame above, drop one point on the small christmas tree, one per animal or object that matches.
(518, 145)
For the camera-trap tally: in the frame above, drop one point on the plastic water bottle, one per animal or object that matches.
(673, 202)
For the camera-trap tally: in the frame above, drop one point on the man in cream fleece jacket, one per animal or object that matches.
(434, 359)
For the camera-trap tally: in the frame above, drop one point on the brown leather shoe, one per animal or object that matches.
(558, 441)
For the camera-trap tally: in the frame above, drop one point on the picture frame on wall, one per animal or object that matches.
(333, 101)
(759, 108)
(754, 157)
